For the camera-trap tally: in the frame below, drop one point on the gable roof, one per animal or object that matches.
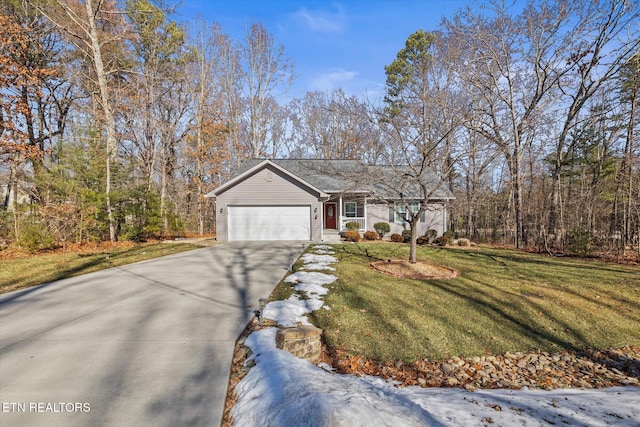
(348, 176)
(252, 166)
(332, 176)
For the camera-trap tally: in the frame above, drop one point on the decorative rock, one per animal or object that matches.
(303, 341)
(586, 369)
(269, 322)
(447, 367)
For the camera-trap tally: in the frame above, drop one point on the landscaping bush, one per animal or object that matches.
(442, 241)
(351, 236)
(464, 242)
(431, 235)
(406, 235)
(382, 228)
(395, 237)
(423, 240)
(370, 235)
(36, 236)
(352, 225)
(579, 242)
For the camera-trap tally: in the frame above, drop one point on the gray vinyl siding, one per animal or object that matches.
(433, 219)
(262, 189)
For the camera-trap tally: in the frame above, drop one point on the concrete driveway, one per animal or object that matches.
(145, 344)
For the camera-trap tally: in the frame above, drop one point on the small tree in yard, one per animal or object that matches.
(420, 118)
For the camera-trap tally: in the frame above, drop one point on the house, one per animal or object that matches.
(294, 199)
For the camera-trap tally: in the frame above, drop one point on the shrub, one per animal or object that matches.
(423, 240)
(395, 237)
(579, 242)
(431, 235)
(351, 236)
(352, 225)
(36, 236)
(442, 241)
(406, 235)
(449, 235)
(382, 228)
(464, 242)
(370, 235)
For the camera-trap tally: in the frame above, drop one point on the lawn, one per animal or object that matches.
(503, 301)
(23, 272)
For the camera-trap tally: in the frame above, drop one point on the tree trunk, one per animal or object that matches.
(517, 200)
(628, 228)
(109, 120)
(413, 245)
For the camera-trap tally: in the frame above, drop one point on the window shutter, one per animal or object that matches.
(423, 216)
(391, 215)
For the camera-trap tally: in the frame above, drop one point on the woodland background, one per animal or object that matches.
(116, 120)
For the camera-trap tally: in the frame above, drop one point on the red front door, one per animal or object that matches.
(330, 216)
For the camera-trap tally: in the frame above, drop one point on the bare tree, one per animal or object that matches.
(209, 129)
(601, 42)
(44, 102)
(334, 126)
(629, 91)
(511, 69)
(269, 75)
(420, 120)
(95, 28)
(475, 165)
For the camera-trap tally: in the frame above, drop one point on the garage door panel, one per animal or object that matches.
(269, 222)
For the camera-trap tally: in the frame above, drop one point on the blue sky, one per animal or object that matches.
(333, 44)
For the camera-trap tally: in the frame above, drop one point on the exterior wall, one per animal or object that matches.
(433, 218)
(268, 187)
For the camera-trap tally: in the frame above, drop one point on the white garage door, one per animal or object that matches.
(269, 222)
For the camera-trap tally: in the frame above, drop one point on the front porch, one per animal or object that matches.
(342, 209)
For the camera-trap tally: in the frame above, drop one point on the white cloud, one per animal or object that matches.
(322, 21)
(333, 79)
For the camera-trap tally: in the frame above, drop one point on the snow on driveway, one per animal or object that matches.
(282, 390)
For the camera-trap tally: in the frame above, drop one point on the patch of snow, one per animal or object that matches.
(317, 266)
(318, 259)
(311, 278)
(318, 262)
(291, 311)
(294, 309)
(324, 252)
(322, 248)
(284, 390)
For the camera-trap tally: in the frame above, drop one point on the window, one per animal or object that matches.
(350, 209)
(401, 211)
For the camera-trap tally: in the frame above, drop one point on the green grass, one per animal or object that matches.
(38, 269)
(503, 300)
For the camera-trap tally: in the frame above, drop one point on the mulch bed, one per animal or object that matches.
(418, 270)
